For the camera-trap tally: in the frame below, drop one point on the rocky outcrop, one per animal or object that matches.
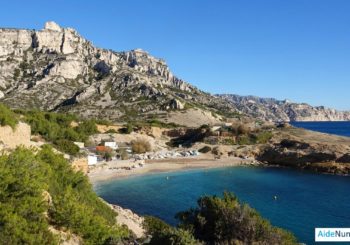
(322, 157)
(133, 221)
(175, 104)
(81, 164)
(12, 138)
(66, 237)
(58, 70)
(276, 110)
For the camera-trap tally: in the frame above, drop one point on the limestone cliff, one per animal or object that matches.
(283, 110)
(56, 69)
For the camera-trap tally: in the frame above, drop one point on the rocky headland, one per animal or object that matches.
(270, 109)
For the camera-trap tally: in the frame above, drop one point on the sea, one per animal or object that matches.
(304, 201)
(338, 128)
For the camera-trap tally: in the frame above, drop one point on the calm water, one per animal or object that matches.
(339, 128)
(305, 200)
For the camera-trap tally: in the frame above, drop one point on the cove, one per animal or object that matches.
(304, 200)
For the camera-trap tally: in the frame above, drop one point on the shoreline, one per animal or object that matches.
(107, 173)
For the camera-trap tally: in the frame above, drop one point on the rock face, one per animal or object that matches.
(276, 110)
(58, 70)
(12, 138)
(300, 148)
(319, 157)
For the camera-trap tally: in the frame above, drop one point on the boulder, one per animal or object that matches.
(175, 104)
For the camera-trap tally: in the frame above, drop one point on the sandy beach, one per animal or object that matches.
(112, 170)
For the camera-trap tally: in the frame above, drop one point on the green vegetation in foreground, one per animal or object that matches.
(164, 234)
(38, 190)
(56, 128)
(7, 117)
(218, 221)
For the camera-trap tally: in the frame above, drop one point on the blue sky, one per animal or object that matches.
(295, 49)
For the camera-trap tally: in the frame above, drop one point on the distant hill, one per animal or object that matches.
(283, 110)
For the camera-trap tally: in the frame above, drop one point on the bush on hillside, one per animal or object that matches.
(67, 146)
(226, 221)
(163, 234)
(7, 117)
(56, 128)
(242, 129)
(111, 131)
(25, 214)
(263, 137)
(87, 127)
(205, 149)
(140, 146)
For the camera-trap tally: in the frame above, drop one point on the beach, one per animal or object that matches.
(123, 169)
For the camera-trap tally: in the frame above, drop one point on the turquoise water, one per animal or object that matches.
(305, 200)
(338, 128)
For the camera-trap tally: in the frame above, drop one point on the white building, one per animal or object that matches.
(92, 160)
(111, 144)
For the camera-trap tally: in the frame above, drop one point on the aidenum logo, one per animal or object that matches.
(332, 234)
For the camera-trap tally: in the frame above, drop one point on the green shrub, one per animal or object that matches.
(56, 128)
(263, 137)
(205, 149)
(226, 221)
(163, 234)
(228, 141)
(22, 219)
(104, 122)
(70, 203)
(111, 131)
(67, 146)
(7, 117)
(87, 127)
(245, 140)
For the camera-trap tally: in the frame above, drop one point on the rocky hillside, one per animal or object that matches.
(276, 110)
(56, 69)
